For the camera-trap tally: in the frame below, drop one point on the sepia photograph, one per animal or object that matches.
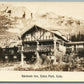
(42, 36)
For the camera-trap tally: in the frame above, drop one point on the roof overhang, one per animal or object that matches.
(75, 43)
(58, 35)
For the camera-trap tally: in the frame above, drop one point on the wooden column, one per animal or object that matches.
(37, 55)
(62, 52)
(76, 48)
(54, 49)
(22, 56)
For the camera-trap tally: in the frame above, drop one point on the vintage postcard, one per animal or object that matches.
(42, 41)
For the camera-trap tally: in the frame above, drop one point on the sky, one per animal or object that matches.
(74, 9)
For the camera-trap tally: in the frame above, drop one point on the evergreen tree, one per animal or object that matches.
(79, 37)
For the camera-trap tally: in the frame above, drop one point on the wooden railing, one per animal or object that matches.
(69, 49)
(46, 47)
(79, 49)
(76, 49)
(30, 49)
(40, 48)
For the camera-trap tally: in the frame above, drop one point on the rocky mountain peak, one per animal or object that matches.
(16, 19)
(15, 11)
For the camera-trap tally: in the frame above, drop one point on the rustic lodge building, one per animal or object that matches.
(39, 43)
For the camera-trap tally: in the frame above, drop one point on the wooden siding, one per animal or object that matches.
(39, 34)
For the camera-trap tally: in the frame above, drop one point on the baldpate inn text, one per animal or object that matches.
(42, 76)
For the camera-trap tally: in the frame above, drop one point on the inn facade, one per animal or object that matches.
(39, 43)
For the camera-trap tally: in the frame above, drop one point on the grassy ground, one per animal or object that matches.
(58, 67)
(64, 67)
(8, 66)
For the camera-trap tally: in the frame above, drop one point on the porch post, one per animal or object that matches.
(37, 54)
(62, 52)
(54, 50)
(76, 48)
(54, 47)
(22, 56)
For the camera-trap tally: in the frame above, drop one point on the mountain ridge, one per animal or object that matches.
(14, 21)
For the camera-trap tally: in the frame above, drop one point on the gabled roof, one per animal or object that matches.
(57, 33)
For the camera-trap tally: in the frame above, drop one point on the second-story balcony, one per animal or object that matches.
(30, 49)
(46, 47)
(40, 48)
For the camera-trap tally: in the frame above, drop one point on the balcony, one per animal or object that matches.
(30, 49)
(69, 49)
(41, 48)
(74, 49)
(46, 47)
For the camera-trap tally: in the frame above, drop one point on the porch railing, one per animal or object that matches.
(40, 48)
(30, 49)
(46, 47)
